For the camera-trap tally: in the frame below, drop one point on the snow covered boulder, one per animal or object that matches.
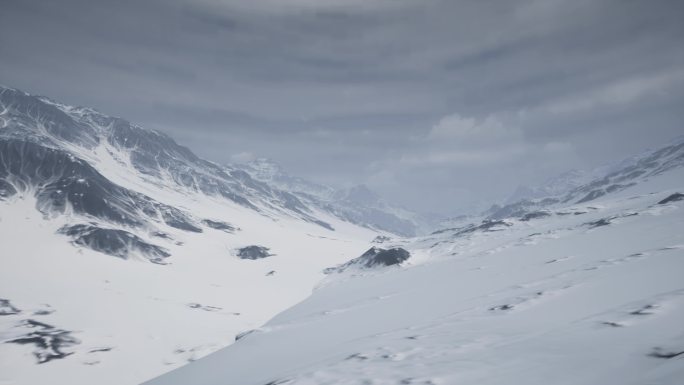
(253, 252)
(374, 257)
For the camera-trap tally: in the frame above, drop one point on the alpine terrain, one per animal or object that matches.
(126, 256)
(581, 287)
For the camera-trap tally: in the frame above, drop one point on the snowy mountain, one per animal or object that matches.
(587, 291)
(124, 255)
(582, 187)
(357, 204)
(554, 186)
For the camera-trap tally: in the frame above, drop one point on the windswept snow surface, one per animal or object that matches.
(591, 294)
(119, 248)
(135, 320)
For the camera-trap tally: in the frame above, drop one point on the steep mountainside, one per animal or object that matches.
(585, 292)
(579, 187)
(87, 201)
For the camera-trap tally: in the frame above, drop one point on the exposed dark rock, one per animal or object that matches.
(535, 215)
(63, 181)
(278, 382)
(381, 257)
(218, 225)
(6, 307)
(487, 225)
(646, 310)
(374, 257)
(502, 307)
(612, 324)
(381, 239)
(6, 190)
(98, 350)
(672, 198)
(175, 218)
(40, 112)
(661, 353)
(245, 334)
(203, 307)
(254, 252)
(599, 223)
(48, 340)
(118, 243)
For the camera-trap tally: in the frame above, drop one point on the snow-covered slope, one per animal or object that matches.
(582, 187)
(357, 204)
(583, 293)
(87, 201)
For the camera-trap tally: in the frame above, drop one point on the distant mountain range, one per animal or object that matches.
(125, 255)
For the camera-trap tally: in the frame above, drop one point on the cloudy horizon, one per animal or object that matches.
(437, 105)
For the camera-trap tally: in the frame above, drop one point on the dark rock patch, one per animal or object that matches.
(534, 215)
(502, 307)
(242, 335)
(203, 307)
(103, 349)
(381, 257)
(374, 257)
(646, 310)
(278, 382)
(612, 324)
(43, 312)
(176, 219)
(161, 234)
(381, 239)
(672, 198)
(6, 190)
(661, 353)
(48, 341)
(599, 223)
(218, 225)
(357, 356)
(6, 307)
(254, 252)
(487, 225)
(114, 242)
(64, 182)
(270, 273)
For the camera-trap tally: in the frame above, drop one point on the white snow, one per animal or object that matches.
(142, 310)
(551, 300)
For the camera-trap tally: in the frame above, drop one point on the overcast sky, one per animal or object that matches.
(437, 105)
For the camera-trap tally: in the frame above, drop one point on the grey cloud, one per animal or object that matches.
(359, 85)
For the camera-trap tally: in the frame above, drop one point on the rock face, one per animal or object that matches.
(672, 198)
(51, 148)
(48, 341)
(6, 307)
(376, 256)
(373, 258)
(115, 242)
(219, 225)
(254, 252)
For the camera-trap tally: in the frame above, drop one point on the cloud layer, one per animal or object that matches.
(438, 104)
